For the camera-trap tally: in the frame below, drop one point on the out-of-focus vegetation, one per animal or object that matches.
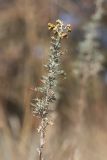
(80, 127)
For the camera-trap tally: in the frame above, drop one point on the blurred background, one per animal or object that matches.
(80, 118)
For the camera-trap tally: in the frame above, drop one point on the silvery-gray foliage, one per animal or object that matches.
(41, 105)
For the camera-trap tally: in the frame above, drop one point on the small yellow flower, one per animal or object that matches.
(64, 35)
(51, 26)
(55, 29)
(68, 27)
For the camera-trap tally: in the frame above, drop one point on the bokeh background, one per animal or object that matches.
(80, 118)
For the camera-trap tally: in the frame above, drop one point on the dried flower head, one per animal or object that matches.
(51, 26)
(68, 27)
(59, 29)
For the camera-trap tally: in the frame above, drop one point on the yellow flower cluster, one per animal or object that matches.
(59, 29)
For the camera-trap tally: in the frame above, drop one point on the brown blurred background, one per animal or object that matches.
(80, 119)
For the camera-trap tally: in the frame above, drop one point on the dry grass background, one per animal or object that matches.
(80, 123)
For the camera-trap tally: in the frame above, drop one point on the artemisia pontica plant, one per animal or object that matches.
(41, 105)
